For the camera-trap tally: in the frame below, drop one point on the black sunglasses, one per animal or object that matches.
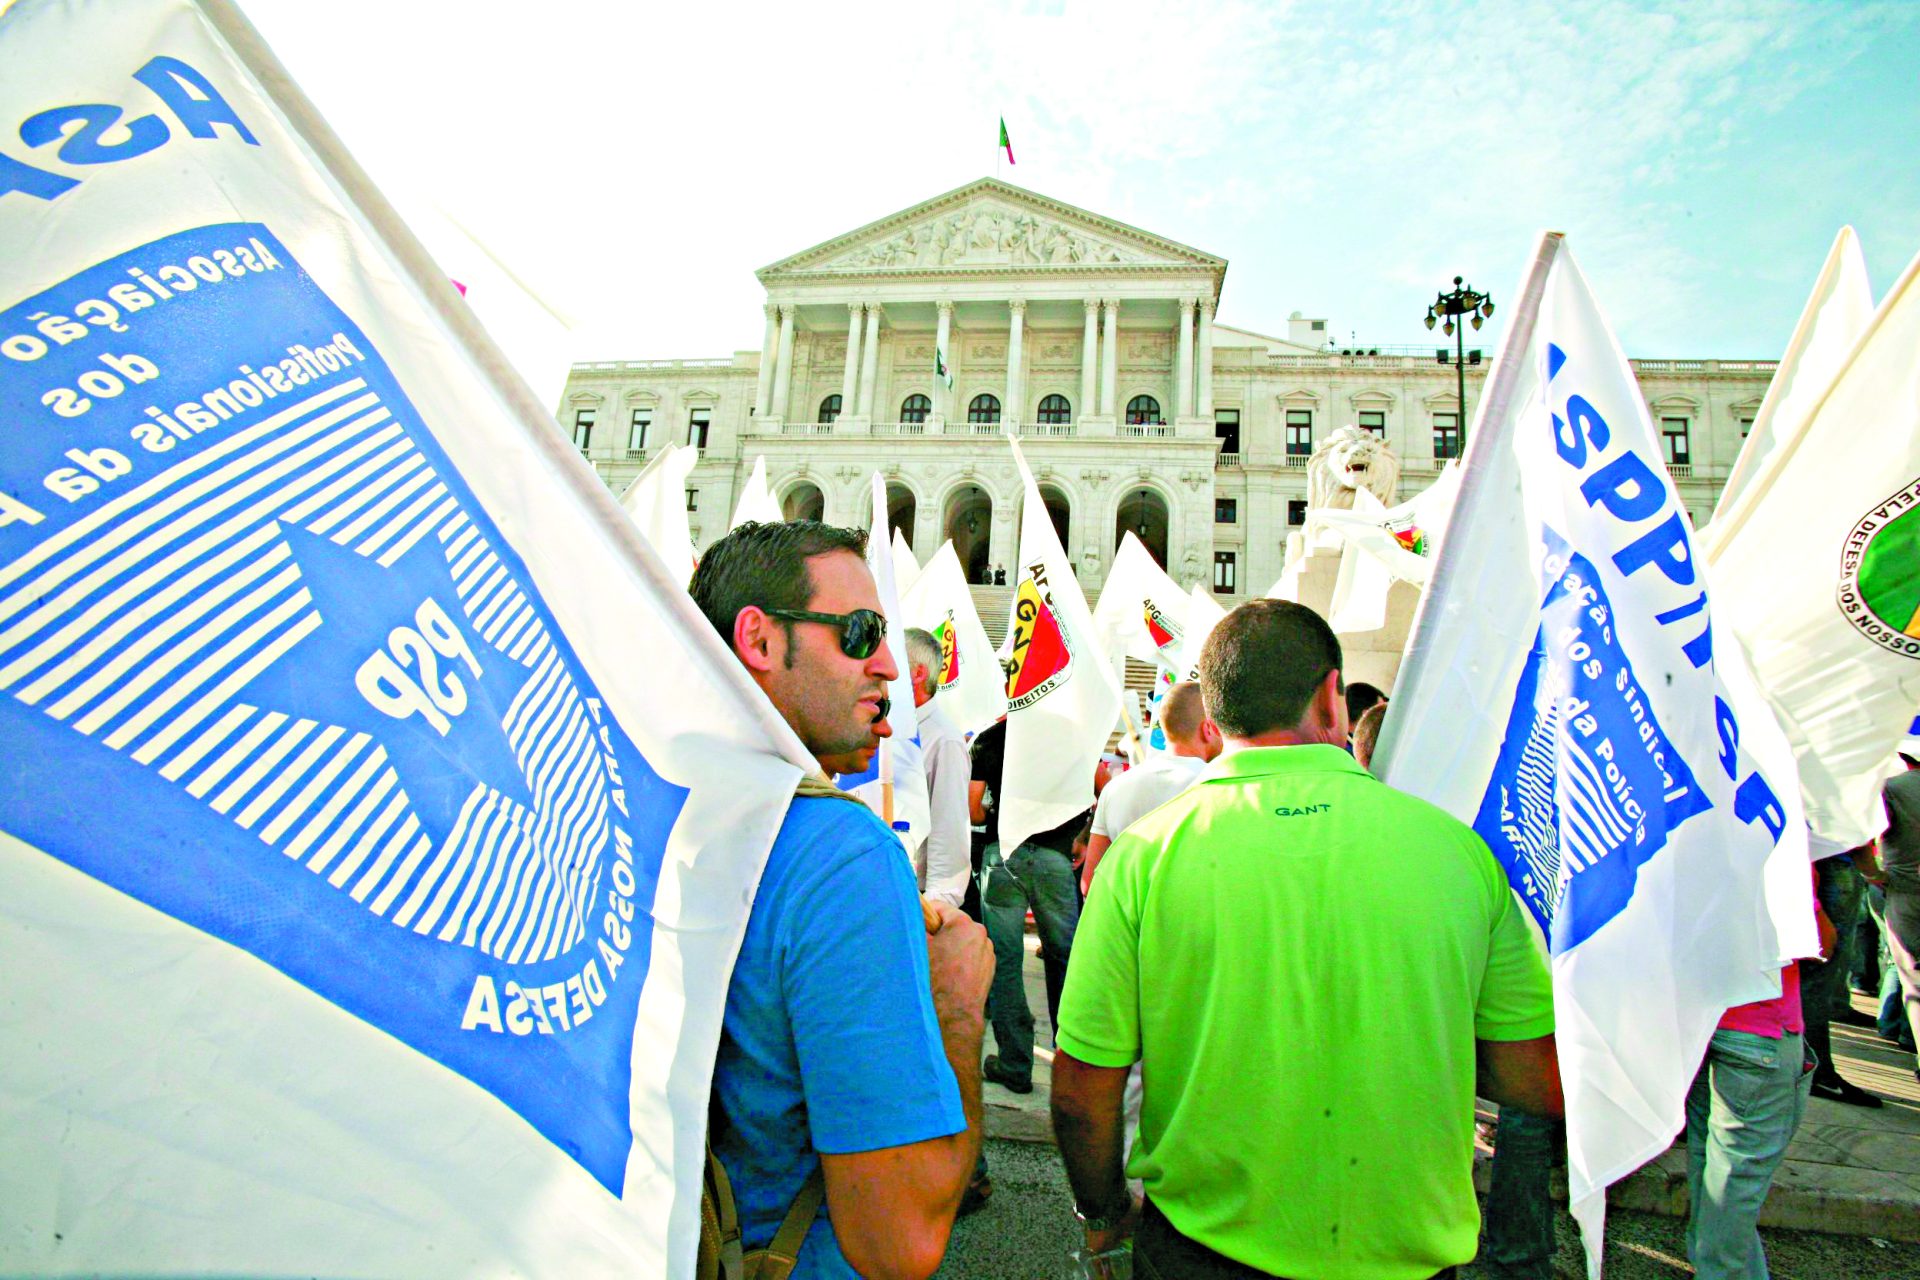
(860, 631)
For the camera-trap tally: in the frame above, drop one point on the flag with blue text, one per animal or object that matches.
(1566, 693)
(378, 817)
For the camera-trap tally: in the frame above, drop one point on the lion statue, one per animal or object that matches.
(1347, 460)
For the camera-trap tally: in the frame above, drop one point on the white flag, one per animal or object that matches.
(1203, 615)
(973, 690)
(894, 783)
(1817, 572)
(1564, 693)
(1836, 314)
(1062, 700)
(379, 818)
(906, 570)
(1141, 613)
(657, 502)
(756, 499)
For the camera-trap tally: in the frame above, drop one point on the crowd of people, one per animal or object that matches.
(1277, 984)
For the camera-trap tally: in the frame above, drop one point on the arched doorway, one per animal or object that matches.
(1143, 513)
(804, 502)
(969, 526)
(1060, 511)
(902, 508)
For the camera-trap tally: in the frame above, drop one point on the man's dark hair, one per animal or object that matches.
(1259, 668)
(1360, 696)
(765, 565)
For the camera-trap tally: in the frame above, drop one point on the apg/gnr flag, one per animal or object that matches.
(378, 819)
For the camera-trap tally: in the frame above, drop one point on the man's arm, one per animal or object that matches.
(893, 1209)
(977, 802)
(1097, 846)
(1522, 1074)
(1087, 1104)
(949, 835)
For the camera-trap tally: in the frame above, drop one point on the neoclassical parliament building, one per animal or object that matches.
(1099, 345)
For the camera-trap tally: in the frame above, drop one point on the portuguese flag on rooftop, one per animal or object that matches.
(1005, 141)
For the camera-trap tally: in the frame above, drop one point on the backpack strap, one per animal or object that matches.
(720, 1257)
(778, 1259)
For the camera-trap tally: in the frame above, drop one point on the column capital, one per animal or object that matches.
(1188, 304)
(787, 310)
(944, 306)
(1111, 304)
(772, 309)
(856, 307)
(1206, 306)
(1091, 304)
(1017, 305)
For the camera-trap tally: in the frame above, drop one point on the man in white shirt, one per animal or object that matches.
(944, 861)
(1192, 740)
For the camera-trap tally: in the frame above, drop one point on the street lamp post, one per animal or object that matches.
(1449, 308)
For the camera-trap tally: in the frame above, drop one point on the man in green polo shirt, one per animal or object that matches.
(1316, 973)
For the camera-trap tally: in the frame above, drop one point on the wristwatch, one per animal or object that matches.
(1105, 1221)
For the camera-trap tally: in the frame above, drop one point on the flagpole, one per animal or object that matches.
(1494, 398)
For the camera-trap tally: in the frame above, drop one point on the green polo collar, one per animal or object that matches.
(1260, 762)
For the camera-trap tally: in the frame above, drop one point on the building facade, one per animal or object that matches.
(912, 345)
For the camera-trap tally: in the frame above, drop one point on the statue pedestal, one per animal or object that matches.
(1372, 656)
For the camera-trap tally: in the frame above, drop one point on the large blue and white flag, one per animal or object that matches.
(378, 819)
(1565, 692)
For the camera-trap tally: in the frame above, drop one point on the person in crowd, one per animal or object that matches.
(1036, 876)
(1842, 889)
(1309, 1067)
(1361, 696)
(850, 1049)
(1366, 733)
(1192, 741)
(1900, 859)
(1742, 1110)
(944, 861)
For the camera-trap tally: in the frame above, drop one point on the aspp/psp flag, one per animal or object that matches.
(1566, 693)
(756, 499)
(1141, 612)
(973, 690)
(1062, 700)
(377, 817)
(1818, 566)
(656, 501)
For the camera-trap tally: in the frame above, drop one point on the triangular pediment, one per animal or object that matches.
(990, 225)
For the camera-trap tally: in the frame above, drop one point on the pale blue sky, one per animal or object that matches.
(635, 164)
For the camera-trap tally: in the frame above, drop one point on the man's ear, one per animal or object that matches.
(758, 641)
(1332, 704)
(919, 675)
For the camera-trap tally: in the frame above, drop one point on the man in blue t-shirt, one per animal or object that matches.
(852, 1038)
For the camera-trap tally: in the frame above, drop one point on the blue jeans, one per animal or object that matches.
(1519, 1243)
(1745, 1103)
(1043, 879)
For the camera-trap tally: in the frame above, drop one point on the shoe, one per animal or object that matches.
(1005, 1078)
(1838, 1090)
(977, 1193)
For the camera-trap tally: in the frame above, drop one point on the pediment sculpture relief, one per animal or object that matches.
(984, 235)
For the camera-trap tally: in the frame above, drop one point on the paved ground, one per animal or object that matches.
(1851, 1179)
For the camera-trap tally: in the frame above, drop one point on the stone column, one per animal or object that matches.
(783, 372)
(1183, 363)
(943, 349)
(1089, 361)
(763, 392)
(1110, 359)
(870, 361)
(849, 378)
(1206, 362)
(1010, 413)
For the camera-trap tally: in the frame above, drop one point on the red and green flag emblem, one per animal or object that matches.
(1006, 143)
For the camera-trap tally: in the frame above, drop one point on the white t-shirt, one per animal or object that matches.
(1142, 789)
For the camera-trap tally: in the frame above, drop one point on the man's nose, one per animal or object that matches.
(882, 666)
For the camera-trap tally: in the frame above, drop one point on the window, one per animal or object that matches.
(1673, 434)
(1226, 429)
(1746, 425)
(1296, 512)
(984, 408)
(1223, 573)
(1143, 411)
(1446, 436)
(915, 408)
(1055, 409)
(1374, 420)
(583, 427)
(697, 423)
(638, 428)
(1226, 510)
(1299, 432)
(830, 408)
(693, 499)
